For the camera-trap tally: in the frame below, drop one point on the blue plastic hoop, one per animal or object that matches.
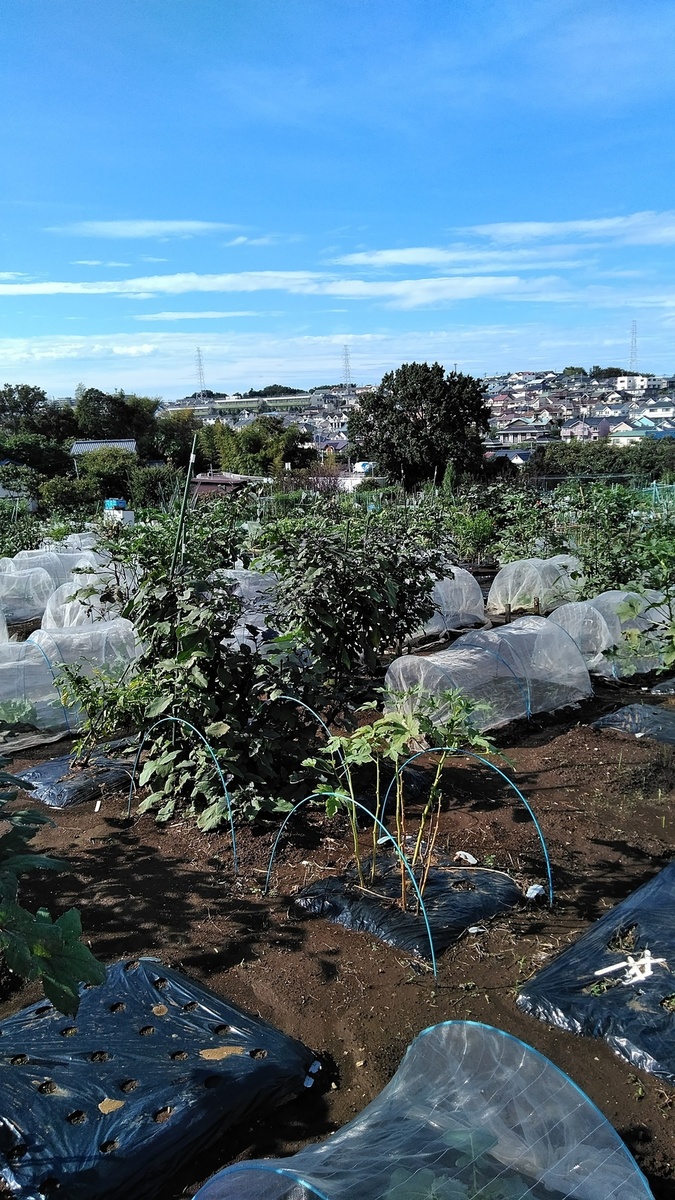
(486, 762)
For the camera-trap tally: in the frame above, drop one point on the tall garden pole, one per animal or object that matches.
(183, 507)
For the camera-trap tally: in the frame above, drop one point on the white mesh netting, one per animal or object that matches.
(24, 594)
(458, 601)
(29, 670)
(644, 619)
(594, 632)
(72, 544)
(61, 567)
(547, 581)
(257, 593)
(64, 609)
(529, 666)
(470, 1112)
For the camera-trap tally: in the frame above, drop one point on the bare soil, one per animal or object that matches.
(605, 803)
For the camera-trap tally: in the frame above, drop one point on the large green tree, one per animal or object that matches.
(19, 403)
(261, 448)
(113, 415)
(419, 420)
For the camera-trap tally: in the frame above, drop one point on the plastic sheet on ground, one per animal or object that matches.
(637, 1018)
(593, 631)
(455, 899)
(471, 1112)
(153, 1069)
(24, 594)
(529, 666)
(458, 603)
(641, 720)
(549, 582)
(665, 688)
(64, 782)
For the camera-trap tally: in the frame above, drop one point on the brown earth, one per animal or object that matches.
(605, 803)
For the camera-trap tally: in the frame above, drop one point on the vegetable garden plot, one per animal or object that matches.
(471, 1112)
(455, 899)
(458, 601)
(618, 980)
(529, 666)
(62, 783)
(153, 1068)
(546, 582)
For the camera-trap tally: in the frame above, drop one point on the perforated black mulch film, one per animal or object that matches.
(153, 1068)
(633, 1006)
(456, 898)
(61, 783)
(641, 720)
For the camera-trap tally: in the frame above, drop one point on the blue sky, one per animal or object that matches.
(482, 182)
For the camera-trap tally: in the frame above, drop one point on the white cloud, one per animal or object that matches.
(638, 229)
(141, 229)
(404, 293)
(267, 239)
(97, 262)
(462, 258)
(195, 316)
(12, 275)
(152, 258)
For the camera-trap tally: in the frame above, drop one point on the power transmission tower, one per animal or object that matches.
(347, 384)
(201, 386)
(633, 347)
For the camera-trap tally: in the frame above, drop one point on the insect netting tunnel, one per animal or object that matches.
(529, 666)
(471, 1112)
(536, 584)
(29, 671)
(458, 603)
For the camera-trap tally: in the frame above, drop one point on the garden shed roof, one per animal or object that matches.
(111, 444)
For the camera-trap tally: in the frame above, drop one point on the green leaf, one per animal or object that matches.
(159, 706)
(218, 729)
(70, 924)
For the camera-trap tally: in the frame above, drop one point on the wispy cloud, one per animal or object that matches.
(462, 258)
(266, 240)
(196, 316)
(13, 275)
(141, 229)
(152, 258)
(97, 262)
(403, 293)
(638, 229)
